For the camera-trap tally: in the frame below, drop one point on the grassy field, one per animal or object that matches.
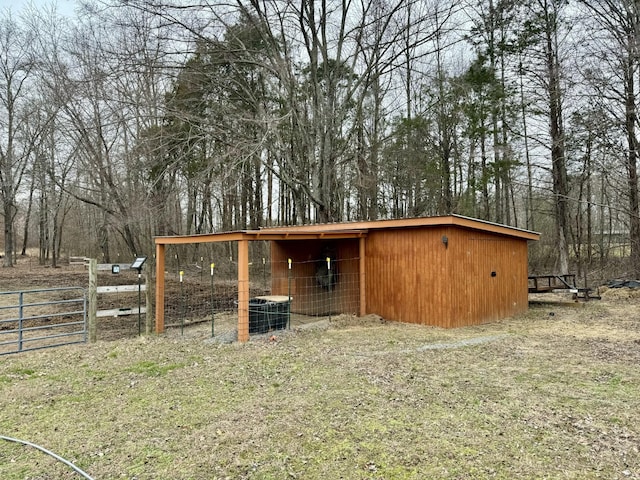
(551, 394)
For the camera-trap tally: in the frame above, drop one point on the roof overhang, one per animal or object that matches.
(253, 235)
(350, 230)
(442, 221)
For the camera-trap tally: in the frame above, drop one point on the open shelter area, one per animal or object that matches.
(446, 271)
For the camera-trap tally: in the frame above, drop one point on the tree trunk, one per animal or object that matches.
(25, 232)
(558, 160)
(632, 172)
(43, 237)
(9, 212)
(530, 220)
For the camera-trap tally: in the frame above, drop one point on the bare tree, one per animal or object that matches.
(614, 81)
(109, 92)
(542, 33)
(346, 52)
(18, 131)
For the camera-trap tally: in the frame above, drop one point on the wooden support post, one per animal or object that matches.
(159, 288)
(243, 290)
(93, 300)
(148, 295)
(362, 278)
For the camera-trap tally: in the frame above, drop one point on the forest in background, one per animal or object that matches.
(133, 118)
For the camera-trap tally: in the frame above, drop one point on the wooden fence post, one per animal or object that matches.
(362, 267)
(93, 299)
(159, 288)
(243, 290)
(148, 296)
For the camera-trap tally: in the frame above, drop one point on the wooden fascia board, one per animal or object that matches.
(202, 238)
(362, 226)
(319, 235)
(349, 230)
(494, 228)
(444, 221)
(258, 235)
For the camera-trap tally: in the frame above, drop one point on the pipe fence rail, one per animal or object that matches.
(42, 318)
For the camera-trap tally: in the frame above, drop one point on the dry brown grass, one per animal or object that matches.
(554, 394)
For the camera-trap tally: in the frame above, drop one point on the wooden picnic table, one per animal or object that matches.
(549, 283)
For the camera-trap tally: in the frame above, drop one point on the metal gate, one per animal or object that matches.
(43, 318)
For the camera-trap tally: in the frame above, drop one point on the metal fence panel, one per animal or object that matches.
(42, 318)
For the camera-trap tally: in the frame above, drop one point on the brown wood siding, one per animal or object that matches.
(406, 275)
(308, 297)
(412, 277)
(489, 277)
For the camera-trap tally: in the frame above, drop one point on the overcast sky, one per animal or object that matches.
(65, 7)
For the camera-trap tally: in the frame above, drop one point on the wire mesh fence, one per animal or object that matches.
(282, 295)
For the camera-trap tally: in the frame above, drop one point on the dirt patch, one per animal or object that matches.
(351, 321)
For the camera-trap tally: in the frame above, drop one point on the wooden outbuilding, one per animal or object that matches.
(447, 271)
